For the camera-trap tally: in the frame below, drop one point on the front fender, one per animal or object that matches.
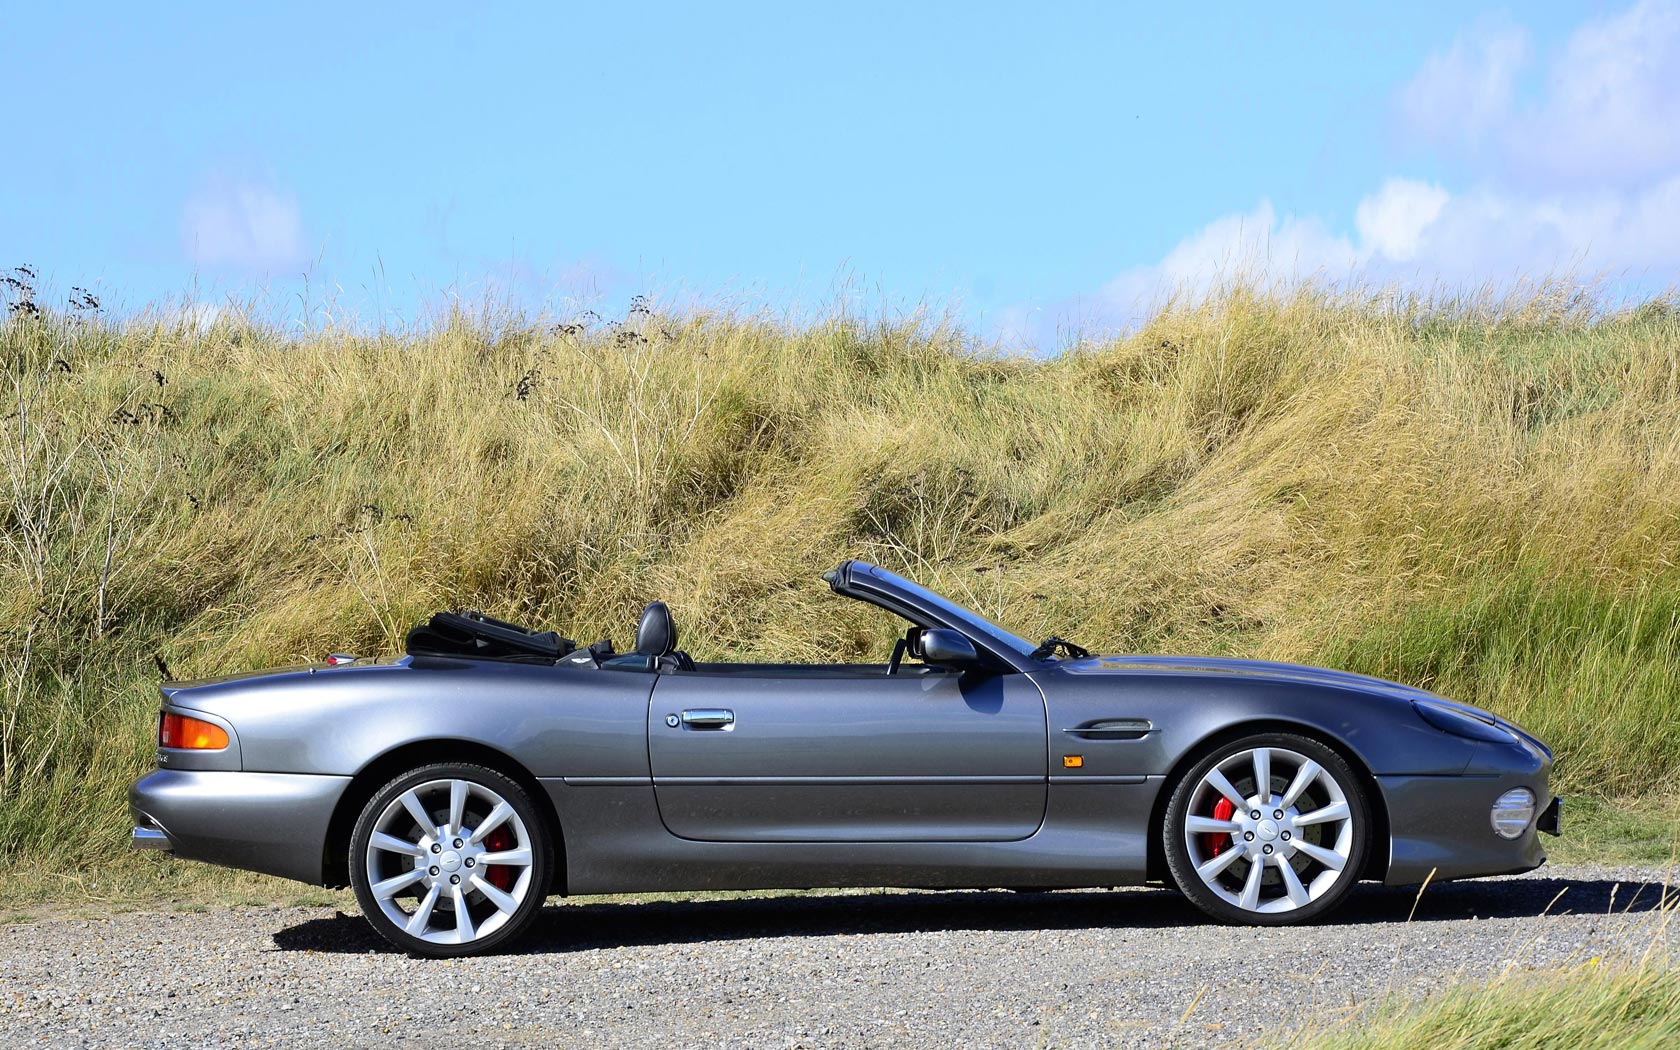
(1184, 711)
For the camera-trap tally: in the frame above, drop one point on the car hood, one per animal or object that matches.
(1221, 667)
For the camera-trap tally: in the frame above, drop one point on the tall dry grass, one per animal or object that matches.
(1482, 498)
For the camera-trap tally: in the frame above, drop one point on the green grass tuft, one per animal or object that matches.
(1618, 1005)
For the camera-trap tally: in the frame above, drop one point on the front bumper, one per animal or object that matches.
(1439, 829)
(273, 823)
(1440, 826)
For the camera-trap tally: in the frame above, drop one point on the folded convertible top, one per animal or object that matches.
(464, 632)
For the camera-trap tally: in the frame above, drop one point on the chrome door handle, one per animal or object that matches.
(708, 718)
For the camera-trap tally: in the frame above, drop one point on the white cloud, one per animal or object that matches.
(1393, 221)
(1606, 109)
(1611, 108)
(1016, 326)
(1634, 233)
(1462, 91)
(199, 317)
(1582, 180)
(1415, 234)
(1257, 245)
(247, 225)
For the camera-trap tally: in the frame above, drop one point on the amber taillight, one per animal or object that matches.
(184, 731)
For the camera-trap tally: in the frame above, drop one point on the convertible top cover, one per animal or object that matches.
(467, 632)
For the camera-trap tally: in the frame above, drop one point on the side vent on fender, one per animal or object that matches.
(1113, 729)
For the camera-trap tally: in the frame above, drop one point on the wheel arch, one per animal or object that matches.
(1377, 856)
(335, 861)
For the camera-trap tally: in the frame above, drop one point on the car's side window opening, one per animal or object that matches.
(905, 659)
(655, 651)
(934, 637)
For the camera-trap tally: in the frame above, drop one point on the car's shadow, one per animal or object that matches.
(579, 927)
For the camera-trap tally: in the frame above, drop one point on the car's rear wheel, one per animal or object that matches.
(450, 859)
(1267, 830)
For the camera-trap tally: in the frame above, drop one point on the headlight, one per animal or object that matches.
(1449, 719)
(1512, 811)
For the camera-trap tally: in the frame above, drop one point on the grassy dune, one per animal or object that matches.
(1479, 498)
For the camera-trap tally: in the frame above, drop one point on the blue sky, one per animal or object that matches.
(1031, 166)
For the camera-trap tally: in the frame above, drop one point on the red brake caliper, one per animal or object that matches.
(1214, 845)
(501, 875)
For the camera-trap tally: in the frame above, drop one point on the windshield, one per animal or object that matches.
(962, 619)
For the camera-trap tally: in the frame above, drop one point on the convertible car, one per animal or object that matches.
(457, 787)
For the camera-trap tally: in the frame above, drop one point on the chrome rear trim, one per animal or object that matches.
(150, 838)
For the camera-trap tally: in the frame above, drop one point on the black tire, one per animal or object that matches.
(525, 884)
(1323, 886)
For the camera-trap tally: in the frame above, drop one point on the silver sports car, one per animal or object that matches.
(458, 786)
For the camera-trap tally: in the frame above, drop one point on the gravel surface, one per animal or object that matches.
(875, 968)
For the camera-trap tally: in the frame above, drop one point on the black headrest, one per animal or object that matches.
(656, 635)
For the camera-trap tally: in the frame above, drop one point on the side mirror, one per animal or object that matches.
(941, 645)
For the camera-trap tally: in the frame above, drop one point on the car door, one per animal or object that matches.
(795, 756)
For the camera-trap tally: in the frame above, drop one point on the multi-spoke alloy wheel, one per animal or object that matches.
(450, 860)
(1267, 830)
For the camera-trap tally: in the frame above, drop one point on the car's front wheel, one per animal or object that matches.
(450, 859)
(1267, 830)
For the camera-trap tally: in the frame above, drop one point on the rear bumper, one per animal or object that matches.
(273, 823)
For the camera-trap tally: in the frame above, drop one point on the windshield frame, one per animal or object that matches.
(924, 608)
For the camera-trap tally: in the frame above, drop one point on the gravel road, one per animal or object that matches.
(875, 968)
